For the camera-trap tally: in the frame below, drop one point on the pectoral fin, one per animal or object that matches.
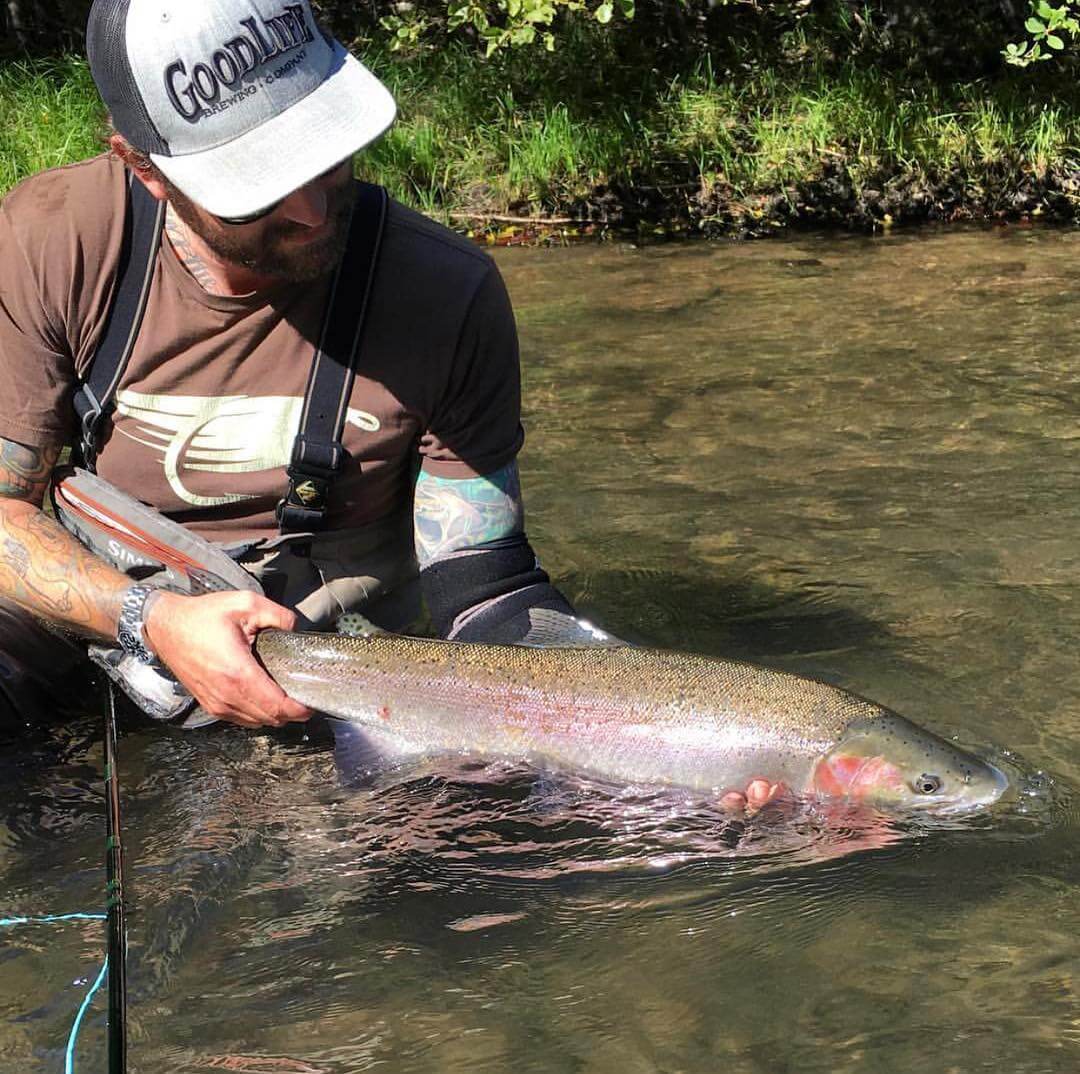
(356, 626)
(362, 754)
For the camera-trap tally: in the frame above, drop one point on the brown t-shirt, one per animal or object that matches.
(208, 407)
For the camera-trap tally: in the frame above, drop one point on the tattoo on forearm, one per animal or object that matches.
(186, 255)
(16, 556)
(45, 570)
(449, 515)
(25, 471)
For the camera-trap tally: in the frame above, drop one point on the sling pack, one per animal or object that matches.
(317, 452)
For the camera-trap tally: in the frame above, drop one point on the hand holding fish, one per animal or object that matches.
(205, 641)
(759, 793)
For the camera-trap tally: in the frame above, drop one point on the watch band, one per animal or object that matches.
(133, 610)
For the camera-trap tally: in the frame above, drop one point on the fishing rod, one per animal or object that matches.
(114, 887)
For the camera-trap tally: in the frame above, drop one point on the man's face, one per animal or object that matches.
(302, 239)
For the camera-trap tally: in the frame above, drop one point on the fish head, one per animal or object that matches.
(888, 761)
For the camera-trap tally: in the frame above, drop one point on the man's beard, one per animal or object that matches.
(267, 252)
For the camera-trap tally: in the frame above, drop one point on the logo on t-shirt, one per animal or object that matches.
(230, 434)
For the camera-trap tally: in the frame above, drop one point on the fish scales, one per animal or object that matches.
(627, 714)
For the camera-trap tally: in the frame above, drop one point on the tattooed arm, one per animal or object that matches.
(449, 516)
(480, 577)
(205, 641)
(43, 569)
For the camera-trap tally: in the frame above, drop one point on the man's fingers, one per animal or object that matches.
(239, 720)
(759, 792)
(293, 712)
(733, 801)
(206, 642)
(265, 615)
(264, 700)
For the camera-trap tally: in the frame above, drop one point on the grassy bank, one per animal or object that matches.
(813, 142)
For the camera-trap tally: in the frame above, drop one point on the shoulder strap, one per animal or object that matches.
(317, 453)
(94, 397)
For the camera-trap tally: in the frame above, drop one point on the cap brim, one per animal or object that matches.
(347, 112)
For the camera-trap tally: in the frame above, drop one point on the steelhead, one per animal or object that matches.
(629, 715)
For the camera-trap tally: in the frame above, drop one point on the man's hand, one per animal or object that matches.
(759, 793)
(206, 643)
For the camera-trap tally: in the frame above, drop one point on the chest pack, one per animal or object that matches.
(317, 452)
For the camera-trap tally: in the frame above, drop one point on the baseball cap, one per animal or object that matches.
(238, 102)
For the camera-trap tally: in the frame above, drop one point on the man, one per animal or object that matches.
(242, 117)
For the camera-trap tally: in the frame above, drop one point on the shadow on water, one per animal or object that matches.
(741, 619)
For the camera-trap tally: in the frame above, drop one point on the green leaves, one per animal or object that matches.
(499, 24)
(1048, 25)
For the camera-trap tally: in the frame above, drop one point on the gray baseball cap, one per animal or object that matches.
(238, 102)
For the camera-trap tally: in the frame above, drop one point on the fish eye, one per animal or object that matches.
(927, 784)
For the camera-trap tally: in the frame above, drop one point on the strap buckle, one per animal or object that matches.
(90, 411)
(312, 469)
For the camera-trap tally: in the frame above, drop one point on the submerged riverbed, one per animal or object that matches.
(857, 459)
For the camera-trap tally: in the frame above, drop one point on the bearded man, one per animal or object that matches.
(223, 267)
(242, 118)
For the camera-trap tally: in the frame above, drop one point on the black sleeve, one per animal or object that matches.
(498, 592)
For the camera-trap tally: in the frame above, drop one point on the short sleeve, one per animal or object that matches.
(60, 237)
(35, 366)
(475, 429)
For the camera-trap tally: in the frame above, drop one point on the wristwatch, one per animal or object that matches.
(129, 632)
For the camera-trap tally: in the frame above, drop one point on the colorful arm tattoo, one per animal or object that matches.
(42, 567)
(25, 471)
(449, 515)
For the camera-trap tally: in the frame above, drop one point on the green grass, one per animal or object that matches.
(50, 114)
(765, 135)
(533, 134)
(755, 137)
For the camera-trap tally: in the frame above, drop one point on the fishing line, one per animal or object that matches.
(114, 906)
(114, 966)
(73, 1036)
(49, 919)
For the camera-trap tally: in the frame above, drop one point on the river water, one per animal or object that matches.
(857, 459)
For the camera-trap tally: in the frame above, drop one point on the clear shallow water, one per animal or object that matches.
(855, 459)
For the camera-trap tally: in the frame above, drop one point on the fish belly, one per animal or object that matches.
(619, 738)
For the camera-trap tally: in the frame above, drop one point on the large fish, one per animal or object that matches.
(630, 715)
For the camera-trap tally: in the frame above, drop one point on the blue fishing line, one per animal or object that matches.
(51, 917)
(73, 1036)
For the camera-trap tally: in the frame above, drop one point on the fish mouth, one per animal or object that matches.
(994, 782)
